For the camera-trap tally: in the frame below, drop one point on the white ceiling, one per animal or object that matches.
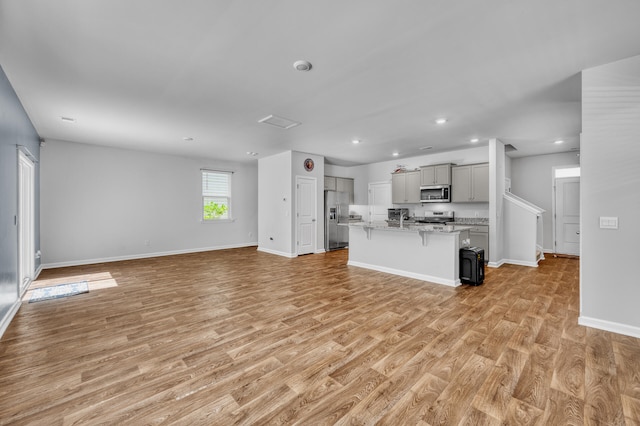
(144, 74)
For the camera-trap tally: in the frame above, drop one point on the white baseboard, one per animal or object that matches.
(615, 327)
(141, 256)
(422, 277)
(520, 263)
(320, 251)
(496, 264)
(277, 253)
(4, 322)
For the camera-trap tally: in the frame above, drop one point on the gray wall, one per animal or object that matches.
(15, 129)
(610, 186)
(102, 203)
(532, 179)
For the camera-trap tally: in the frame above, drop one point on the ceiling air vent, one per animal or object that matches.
(281, 122)
(508, 148)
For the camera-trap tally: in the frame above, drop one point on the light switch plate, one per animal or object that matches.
(608, 222)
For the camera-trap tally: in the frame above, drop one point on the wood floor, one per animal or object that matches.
(243, 337)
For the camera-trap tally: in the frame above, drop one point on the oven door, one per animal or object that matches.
(435, 194)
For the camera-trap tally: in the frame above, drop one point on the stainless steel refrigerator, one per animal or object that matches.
(336, 220)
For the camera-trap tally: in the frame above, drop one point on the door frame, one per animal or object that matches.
(315, 210)
(554, 207)
(26, 219)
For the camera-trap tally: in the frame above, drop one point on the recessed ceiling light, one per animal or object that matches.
(251, 153)
(395, 154)
(425, 147)
(187, 139)
(558, 141)
(441, 120)
(302, 65)
(355, 141)
(68, 119)
(475, 140)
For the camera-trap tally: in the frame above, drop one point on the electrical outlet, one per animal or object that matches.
(147, 243)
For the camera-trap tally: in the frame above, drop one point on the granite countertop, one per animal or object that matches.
(412, 227)
(470, 221)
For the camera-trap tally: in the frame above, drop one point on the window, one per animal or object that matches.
(216, 195)
(567, 172)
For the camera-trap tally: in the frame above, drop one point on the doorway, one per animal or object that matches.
(379, 201)
(306, 212)
(26, 220)
(566, 213)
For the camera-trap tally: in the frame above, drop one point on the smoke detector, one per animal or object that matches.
(302, 65)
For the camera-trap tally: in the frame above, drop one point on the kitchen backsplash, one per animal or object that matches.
(466, 216)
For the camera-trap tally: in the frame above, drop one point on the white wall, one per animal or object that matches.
(532, 179)
(277, 201)
(496, 202)
(275, 204)
(102, 203)
(610, 182)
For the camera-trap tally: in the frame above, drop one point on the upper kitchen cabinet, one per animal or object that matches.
(345, 185)
(405, 187)
(329, 183)
(470, 183)
(332, 183)
(435, 175)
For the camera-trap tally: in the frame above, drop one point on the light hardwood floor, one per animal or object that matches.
(243, 337)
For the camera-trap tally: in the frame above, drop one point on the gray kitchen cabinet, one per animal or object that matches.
(439, 174)
(332, 183)
(329, 183)
(345, 185)
(405, 187)
(479, 236)
(470, 183)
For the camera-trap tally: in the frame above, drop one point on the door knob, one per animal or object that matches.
(313, 220)
(578, 232)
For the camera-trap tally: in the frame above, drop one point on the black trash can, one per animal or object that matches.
(472, 265)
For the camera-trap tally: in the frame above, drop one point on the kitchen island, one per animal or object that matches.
(424, 252)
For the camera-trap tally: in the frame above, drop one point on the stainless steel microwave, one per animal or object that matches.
(435, 194)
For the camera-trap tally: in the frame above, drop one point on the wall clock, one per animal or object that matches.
(308, 164)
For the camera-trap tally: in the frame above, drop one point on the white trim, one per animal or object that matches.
(142, 256)
(422, 277)
(278, 253)
(520, 263)
(319, 251)
(6, 320)
(615, 327)
(496, 264)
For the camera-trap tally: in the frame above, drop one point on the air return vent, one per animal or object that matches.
(281, 122)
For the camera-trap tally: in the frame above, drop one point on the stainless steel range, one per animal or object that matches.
(436, 217)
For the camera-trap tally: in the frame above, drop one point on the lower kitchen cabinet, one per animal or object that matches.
(479, 236)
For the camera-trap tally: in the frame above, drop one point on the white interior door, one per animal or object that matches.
(567, 216)
(379, 200)
(26, 222)
(306, 211)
